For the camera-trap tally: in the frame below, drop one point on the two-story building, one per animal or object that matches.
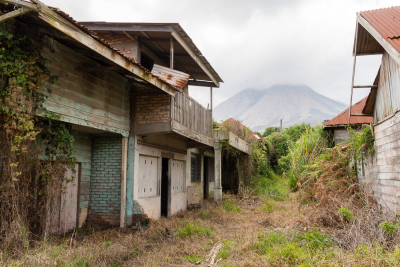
(124, 93)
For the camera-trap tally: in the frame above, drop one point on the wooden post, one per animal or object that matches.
(171, 55)
(281, 126)
(123, 180)
(354, 70)
(211, 98)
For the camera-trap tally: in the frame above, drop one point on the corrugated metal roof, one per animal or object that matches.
(174, 77)
(386, 21)
(343, 117)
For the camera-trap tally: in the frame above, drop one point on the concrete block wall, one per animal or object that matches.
(151, 108)
(105, 180)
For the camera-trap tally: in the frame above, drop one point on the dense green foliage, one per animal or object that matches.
(270, 130)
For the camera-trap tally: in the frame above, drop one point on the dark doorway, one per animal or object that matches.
(206, 180)
(164, 187)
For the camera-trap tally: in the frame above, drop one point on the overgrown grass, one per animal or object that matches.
(228, 205)
(271, 186)
(194, 229)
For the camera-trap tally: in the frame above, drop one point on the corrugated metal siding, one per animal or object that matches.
(174, 77)
(388, 93)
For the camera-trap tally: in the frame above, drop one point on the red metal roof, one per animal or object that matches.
(343, 117)
(386, 21)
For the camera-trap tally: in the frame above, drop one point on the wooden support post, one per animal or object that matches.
(211, 99)
(171, 53)
(354, 70)
(218, 170)
(123, 180)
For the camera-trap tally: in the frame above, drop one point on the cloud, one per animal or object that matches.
(257, 43)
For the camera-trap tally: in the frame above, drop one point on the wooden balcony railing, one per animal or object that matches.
(186, 111)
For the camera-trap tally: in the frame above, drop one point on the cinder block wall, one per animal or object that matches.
(151, 108)
(105, 180)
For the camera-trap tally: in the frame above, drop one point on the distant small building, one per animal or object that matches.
(338, 125)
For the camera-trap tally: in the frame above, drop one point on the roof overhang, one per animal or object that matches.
(63, 27)
(156, 37)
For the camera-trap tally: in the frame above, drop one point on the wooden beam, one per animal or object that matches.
(126, 27)
(131, 37)
(171, 55)
(15, 13)
(354, 70)
(20, 4)
(365, 86)
(362, 115)
(58, 22)
(183, 43)
(145, 34)
(382, 41)
(369, 54)
(123, 180)
(201, 83)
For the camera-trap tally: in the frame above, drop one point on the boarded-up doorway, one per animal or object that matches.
(63, 212)
(164, 186)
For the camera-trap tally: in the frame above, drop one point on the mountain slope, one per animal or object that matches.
(294, 104)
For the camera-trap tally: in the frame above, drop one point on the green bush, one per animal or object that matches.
(315, 240)
(346, 214)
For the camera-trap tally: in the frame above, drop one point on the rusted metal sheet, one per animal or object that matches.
(387, 22)
(343, 117)
(174, 77)
(388, 93)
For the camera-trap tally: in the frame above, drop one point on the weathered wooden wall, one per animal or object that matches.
(383, 170)
(98, 99)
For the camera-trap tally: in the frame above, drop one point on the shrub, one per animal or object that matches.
(346, 214)
(315, 240)
(225, 251)
(390, 228)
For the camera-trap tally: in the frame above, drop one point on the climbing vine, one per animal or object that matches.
(27, 183)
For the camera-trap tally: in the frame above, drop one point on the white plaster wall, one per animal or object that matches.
(152, 205)
(178, 202)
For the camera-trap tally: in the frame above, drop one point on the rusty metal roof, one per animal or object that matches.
(343, 117)
(386, 21)
(174, 77)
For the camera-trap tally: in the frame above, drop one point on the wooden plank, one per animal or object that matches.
(19, 3)
(15, 13)
(201, 83)
(365, 86)
(74, 105)
(123, 180)
(97, 101)
(191, 134)
(382, 41)
(56, 21)
(66, 111)
(127, 27)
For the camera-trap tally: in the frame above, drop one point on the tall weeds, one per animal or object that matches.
(302, 153)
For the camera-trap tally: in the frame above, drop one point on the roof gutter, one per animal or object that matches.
(63, 25)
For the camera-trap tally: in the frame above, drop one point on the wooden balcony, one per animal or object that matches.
(186, 118)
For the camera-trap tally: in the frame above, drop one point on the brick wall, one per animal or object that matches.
(114, 39)
(151, 108)
(105, 180)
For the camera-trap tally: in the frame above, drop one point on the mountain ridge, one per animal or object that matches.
(261, 108)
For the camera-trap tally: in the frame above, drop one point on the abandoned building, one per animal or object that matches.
(339, 124)
(378, 32)
(144, 147)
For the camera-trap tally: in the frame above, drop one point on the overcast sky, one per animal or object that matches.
(257, 43)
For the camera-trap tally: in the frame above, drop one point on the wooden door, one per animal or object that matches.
(63, 211)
